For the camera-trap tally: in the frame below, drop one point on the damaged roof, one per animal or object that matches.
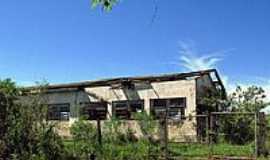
(148, 79)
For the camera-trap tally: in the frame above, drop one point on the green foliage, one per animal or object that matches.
(130, 151)
(112, 131)
(50, 144)
(8, 87)
(251, 99)
(114, 138)
(203, 150)
(268, 131)
(147, 123)
(239, 129)
(148, 126)
(84, 135)
(25, 133)
(118, 141)
(106, 4)
(213, 100)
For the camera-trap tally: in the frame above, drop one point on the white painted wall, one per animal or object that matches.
(168, 89)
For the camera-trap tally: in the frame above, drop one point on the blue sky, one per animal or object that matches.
(66, 40)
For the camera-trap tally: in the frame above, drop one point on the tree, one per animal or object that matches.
(8, 95)
(25, 133)
(239, 129)
(251, 99)
(106, 4)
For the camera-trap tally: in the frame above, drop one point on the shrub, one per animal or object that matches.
(50, 144)
(239, 129)
(112, 131)
(25, 133)
(84, 135)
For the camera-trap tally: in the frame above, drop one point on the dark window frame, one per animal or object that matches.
(175, 106)
(128, 106)
(57, 112)
(94, 110)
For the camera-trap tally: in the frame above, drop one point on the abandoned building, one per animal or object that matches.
(181, 93)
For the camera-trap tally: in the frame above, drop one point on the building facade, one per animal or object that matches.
(180, 93)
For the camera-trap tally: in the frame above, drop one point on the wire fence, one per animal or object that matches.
(241, 134)
(217, 134)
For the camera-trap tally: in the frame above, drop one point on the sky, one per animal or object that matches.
(66, 40)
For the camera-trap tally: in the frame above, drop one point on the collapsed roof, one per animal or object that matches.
(139, 79)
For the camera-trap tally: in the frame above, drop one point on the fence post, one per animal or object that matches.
(261, 135)
(163, 122)
(207, 129)
(210, 133)
(163, 136)
(255, 136)
(99, 132)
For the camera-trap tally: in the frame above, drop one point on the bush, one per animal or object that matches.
(112, 131)
(25, 133)
(84, 135)
(238, 129)
(50, 144)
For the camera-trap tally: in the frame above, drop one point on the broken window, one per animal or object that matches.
(176, 107)
(59, 112)
(95, 110)
(125, 109)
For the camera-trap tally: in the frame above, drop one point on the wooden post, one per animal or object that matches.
(255, 128)
(262, 135)
(211, 133)
(166, 136)
(99, 132)
(164, 133)
(207, 128)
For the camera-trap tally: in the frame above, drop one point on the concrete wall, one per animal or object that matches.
(168, 89)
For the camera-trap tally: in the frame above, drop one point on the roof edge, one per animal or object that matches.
(151, 78)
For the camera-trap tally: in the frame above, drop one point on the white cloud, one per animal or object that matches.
(192, 60)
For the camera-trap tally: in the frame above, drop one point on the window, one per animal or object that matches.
(176, 107)
(95, 110)
(59, 112)
(124, 109)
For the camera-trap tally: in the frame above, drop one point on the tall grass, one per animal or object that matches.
(204, 150)
(183, 149)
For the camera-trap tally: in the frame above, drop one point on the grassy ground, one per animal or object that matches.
(203, 150)
(199, 150)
